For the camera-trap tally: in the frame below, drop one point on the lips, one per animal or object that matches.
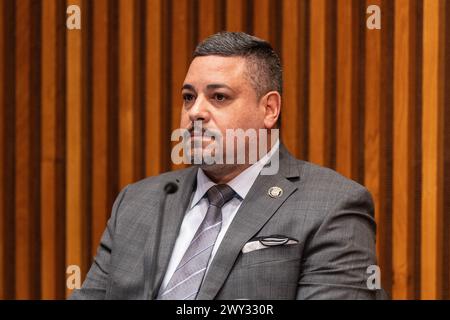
(206, 134)
(201, 138)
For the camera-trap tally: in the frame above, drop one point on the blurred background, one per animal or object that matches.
(85, 112)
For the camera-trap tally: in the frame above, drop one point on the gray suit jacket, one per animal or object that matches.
(331, 217)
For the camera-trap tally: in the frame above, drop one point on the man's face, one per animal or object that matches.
(218, 92)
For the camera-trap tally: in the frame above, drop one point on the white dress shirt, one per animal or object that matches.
(198, 207)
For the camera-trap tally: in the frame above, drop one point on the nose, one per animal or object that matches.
(199, 110)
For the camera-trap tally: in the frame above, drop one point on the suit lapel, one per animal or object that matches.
(256, 209)
(176, 205)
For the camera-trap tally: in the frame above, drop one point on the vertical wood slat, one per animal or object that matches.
(100, 143)
(261, 19)
(404, 240)
(236, 13)
(346, 89)
(375, 160)
(294, 68)
(8, 145)
(318, 145)
(127, 87)
(181, 50)
(23, 157)
(432, 152)
(210, 18)
(264, 20)
(51, 156)
(48, 170)
(156, 91)
(446, 164)
(291, 64)
(3, 288)
(76, 224)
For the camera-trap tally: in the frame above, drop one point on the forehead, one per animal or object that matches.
(212, 69)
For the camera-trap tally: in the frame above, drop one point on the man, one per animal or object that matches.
(230, 231)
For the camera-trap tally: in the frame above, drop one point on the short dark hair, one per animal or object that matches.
(263, 64)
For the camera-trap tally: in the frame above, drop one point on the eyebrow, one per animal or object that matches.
(218, 86)
(209, 86)
(188, 87)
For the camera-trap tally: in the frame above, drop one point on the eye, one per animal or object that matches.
(220, 97)
(187, 97)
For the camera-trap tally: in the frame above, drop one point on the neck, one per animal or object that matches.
(223, 173)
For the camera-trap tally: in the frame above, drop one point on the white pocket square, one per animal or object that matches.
(267, 242)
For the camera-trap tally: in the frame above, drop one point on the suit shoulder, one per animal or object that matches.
(328, 182)
(323, 192)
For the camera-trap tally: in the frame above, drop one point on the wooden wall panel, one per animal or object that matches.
(157, 130)
(320, 108)
(446, 164)
(347, 85)
(52, 151)
(210, 17)
(23, 157)
(77, 235)
(3, 225)
(100, 120)
(378, 81)
(184, 32)
(404, 134)
(265, 20)
(237, 15)
(49, 222)
(432, 146)
(128, 107)
(85, 112)
(25, 151)
(295, 91)
(8, 21)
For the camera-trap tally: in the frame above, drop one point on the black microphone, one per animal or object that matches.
(169, 188)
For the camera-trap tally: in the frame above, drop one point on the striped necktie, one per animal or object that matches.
(187, 278)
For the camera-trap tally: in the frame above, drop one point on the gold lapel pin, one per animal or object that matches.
(275, 192)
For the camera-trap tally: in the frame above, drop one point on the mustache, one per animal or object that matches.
(192, 128)
(213, 133)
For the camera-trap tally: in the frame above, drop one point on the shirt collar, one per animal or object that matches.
(241, 184)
